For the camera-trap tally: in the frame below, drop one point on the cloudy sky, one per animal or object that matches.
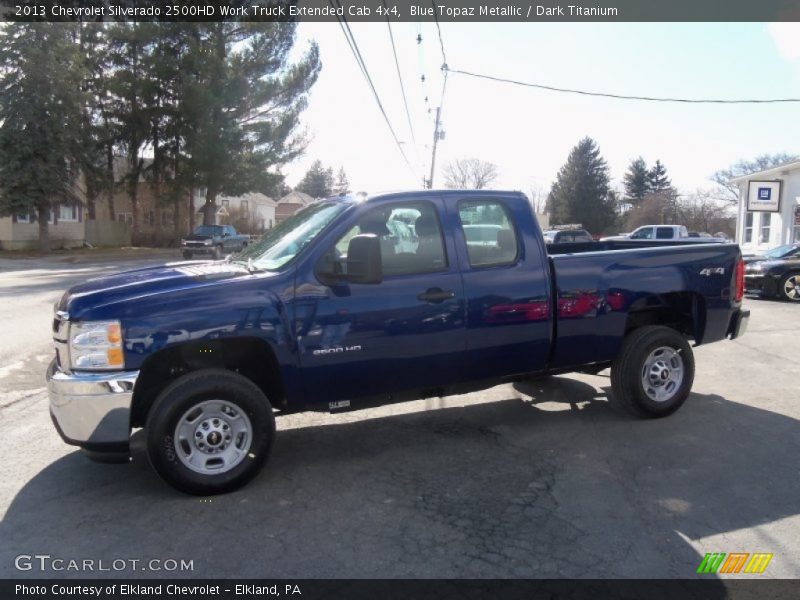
(528, 133)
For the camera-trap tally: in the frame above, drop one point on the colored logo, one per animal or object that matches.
(735, 562)
(764, 193)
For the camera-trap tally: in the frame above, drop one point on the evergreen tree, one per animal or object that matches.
(41, 115)
(317, 182)
(658, 179)
(581, 192)
(242, 100)
(636, 181)
(342, 185)
(131, 85)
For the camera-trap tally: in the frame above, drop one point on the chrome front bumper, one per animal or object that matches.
(92, 410)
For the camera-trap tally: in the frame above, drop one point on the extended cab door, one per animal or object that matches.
(405, 333)
(506, 284)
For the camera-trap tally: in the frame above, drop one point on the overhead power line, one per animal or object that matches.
(351, 40)
(439, 31)
(400, 78)
(551, 88)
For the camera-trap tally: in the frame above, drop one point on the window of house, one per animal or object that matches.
(748, 227)
(165, 219)
(149, 218)
(410, 236)
(226, 203)
(244, 207)
(489, 232)
(24, 218)
(125, 217)
(67, 213)
(766, 221)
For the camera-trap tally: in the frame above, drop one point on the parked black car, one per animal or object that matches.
(216, 240)
(775, 273)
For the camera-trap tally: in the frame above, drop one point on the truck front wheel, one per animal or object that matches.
(209, 432)
(216, 253)
(653, 373)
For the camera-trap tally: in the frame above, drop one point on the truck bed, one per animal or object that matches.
(594, 281)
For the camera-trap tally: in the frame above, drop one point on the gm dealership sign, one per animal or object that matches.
(764, 196)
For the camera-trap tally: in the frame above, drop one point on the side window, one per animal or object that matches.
(645, 233)
(664, 233)
(489, 232)
(410, 235)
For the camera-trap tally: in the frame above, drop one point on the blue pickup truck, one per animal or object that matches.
(332, 309)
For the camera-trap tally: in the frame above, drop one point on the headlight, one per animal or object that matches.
(207, 242)
(96, 345)
(183, 242)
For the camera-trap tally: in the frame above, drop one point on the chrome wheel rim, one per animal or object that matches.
(213, 437)
(662, 374)
(792, 287)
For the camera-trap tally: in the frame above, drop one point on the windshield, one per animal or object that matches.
(208, 230)
(286, 240)
(780, 251)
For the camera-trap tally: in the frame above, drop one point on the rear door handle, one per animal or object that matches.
(436, 295)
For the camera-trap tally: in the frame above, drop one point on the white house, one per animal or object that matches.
(769, 208)
(255, 210)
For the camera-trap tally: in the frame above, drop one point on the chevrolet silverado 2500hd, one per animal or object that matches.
(332, 308)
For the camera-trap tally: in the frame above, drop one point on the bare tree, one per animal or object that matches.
(730, 191)
(469, 174)
(704, 211)
(538, 198)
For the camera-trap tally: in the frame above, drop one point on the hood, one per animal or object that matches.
(109, 289)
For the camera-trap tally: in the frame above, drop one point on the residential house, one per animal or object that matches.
(66, 229)
(252, 212)
(290, 204)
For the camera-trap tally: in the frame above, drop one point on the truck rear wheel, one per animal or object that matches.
(209, 432)
(653, 373)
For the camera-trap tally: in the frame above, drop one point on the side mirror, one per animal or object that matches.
(364, 259)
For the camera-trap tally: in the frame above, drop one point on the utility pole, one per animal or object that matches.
(436, 135)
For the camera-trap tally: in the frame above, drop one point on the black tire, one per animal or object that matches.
(627, 372)
(216, 254)
(191, 390)
(187, 255)
(784, 295)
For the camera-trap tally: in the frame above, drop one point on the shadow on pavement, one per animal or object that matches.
(553, 483)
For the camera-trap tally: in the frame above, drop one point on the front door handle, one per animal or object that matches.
(436, 295)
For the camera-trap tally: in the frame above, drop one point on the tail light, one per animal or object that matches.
(739, 294)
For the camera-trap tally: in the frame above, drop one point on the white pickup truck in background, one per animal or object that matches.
(659, 232)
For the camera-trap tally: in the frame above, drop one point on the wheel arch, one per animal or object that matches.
(683, 311)
(251, 357)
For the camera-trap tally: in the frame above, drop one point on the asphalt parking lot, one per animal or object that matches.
(539, 479)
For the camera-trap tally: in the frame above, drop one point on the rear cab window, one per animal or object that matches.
(489, 233)
(665, 233)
